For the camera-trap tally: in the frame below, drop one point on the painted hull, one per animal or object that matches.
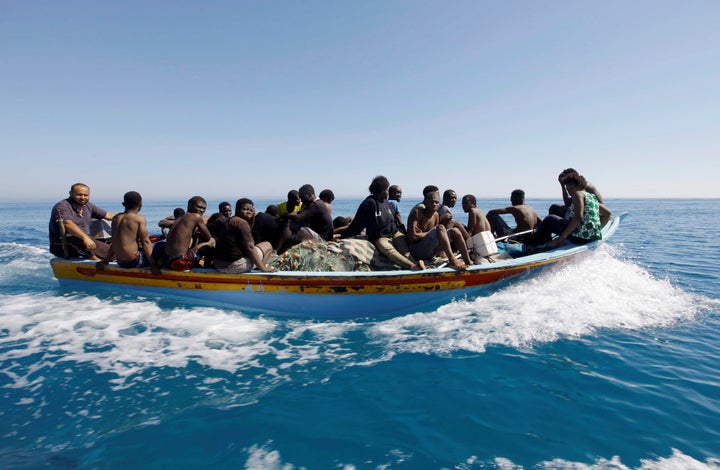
(318, 294)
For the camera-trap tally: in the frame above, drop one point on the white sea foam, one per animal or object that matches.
(125, 338)
(265, 457)
(599, 291)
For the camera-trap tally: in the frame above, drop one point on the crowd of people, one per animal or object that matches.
(240, 240)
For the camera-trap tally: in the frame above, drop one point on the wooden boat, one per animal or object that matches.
(320, 294)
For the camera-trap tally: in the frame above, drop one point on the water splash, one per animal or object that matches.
(581, 297)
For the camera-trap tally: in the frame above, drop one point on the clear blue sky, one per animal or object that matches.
(228, 99)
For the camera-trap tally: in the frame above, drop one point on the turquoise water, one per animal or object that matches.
(608, 361)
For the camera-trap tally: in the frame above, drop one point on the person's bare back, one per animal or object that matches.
(128, 230)
(477, 222)
(526, 218)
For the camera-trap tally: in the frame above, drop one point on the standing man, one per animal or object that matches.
(129, 230)
(75, 214)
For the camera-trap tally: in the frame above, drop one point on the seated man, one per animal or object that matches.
(293, 204)
(445, 213)
(236, 251)
(267, 228)
(394, 196)
(427, 236)
(181, 251)
(477, 222)
(375, 216)
(167, 222)
(75, 214)
(314, 221)
(526, 218)
(129, 231)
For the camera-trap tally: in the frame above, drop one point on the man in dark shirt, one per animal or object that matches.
(314, 221)
(236, 251)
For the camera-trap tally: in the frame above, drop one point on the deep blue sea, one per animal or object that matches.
(610, 361)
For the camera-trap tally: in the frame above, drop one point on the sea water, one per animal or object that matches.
(611, 360)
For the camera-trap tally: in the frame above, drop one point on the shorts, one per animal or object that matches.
(138, 261)
(184, 262)
(238, 266)
(427, 247)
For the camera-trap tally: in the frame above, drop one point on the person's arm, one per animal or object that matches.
(72, 228)
(566, 197)
(414, 234)
(357, 225)
(246, 233)
(202, 233)
(579, 203)
(605, 215)
(497, 211)
(146, 244)
(592, 189)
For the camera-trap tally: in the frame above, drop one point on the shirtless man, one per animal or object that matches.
(427, 236)
(180, 253)
(236, 251)
(445, 213)
(477, 222)
(526, 218)
(129, 230)
(167, 222)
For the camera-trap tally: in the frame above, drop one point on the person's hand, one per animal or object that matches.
(89, 243)
(556, 243)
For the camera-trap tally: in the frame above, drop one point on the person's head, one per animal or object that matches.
(517, 197)
(245, 209)
(449, 198)
(197, 204)
(80, 193)
(468, 202)
(567, 171)
(272, 209)
(225, 209)
(178, 212)
(432, 201)
(132, 200)
(340, 221)
(573, 181)
(379, 187)
(307, 193)
(327, 195)
(293, 199)
(430, 188)
(395, 192)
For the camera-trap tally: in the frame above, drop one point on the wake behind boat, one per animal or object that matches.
(320, 294)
